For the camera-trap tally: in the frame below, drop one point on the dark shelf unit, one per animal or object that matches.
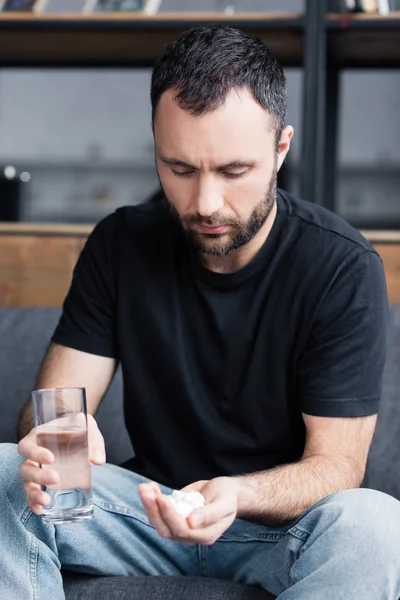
(114, 40)
(320, 41)
(350, 41)
(359, 41)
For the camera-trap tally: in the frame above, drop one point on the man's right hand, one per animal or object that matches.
(34, 477)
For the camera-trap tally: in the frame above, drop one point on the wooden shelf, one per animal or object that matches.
(46, 229)
(359, 40)
(130, 17)
(37, 260)
(136, 40)
(70, 229)
(364, 20)
(119, 40)
(382, 237)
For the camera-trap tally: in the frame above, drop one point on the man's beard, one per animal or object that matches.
(240, 233)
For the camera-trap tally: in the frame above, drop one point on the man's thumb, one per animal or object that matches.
(97, 452)
(97, 456)
(197, 486)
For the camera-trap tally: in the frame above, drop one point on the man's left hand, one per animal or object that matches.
(204, 525)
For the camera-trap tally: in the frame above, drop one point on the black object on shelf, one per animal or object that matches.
(13, 195)
(18, 5)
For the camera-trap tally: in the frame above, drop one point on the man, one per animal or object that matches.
(250, 327)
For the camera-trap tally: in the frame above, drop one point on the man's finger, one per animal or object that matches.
(36, 508)
(206, 535)
(36, 498)
(40, 498)
(177, 524)
(209, 514)
(149, 500)
(197, 486)
(97, 452)
(31, 472)
(30, 487)
(28, 448)
(209, 535)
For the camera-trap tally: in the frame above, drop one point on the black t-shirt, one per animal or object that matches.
(218, 368)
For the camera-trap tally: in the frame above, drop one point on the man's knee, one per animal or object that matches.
(9, 457)
(368, 516)
(365, 505)
(10, 462)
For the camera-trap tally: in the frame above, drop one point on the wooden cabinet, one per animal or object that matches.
(390, 254)
(36, 266)
(36, 262)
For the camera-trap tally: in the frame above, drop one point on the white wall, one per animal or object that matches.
(370, 118)
(75, 114)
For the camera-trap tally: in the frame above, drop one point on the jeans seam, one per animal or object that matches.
(33, 553)
(302, 535)
(33, 557)
(299, 533)
(202, 555)
(120, 510)
(249, 540)
(268, 537)
(25, 516)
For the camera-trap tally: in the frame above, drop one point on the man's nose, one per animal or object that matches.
(209, 200)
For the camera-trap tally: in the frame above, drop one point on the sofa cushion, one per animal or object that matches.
(158, 588)
(384, 456)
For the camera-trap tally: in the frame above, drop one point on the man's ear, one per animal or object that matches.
(284, 144)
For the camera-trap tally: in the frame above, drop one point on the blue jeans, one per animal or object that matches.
(347, 546)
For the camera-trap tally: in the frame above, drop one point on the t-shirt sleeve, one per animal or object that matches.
(87, 321)
(341, 369)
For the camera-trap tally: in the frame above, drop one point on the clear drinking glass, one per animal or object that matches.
(60, 419)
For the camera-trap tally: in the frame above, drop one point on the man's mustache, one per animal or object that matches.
(208, 221)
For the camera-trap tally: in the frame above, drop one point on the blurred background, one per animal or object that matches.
(81, 137)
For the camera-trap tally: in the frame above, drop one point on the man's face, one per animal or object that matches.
(218, 171)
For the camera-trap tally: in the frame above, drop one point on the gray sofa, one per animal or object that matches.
(24, 335)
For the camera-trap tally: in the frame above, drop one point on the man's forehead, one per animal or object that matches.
(239, 105)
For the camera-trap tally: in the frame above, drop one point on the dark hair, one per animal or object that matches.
(204, 64)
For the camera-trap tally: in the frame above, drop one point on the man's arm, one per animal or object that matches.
(334, 459)
(339, 380)
(66, 367)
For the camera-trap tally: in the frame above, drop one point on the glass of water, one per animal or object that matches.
(60, 419)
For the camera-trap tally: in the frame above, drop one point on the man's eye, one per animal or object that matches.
(182, 173)
(225, 174)
(235, 175)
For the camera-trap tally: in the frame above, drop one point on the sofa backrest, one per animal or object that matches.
(25, 334)
(384, 456)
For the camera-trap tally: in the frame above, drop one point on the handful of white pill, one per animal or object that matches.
(184, 503)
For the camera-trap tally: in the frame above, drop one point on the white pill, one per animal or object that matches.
(184, 503)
